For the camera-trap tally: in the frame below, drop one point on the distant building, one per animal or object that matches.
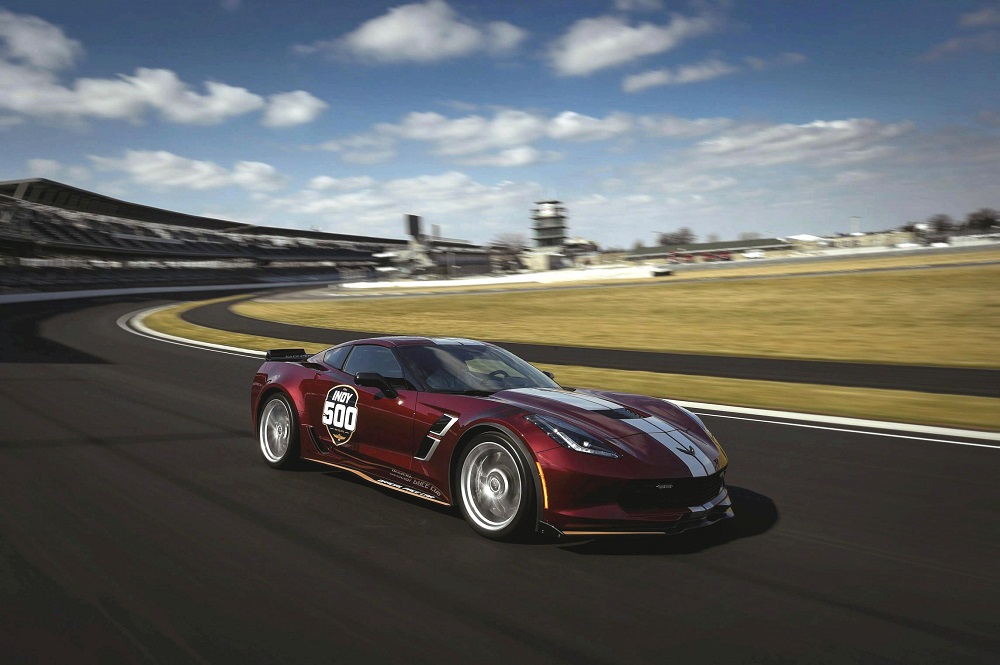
(550, 227)
(708, 251)
(442, 256)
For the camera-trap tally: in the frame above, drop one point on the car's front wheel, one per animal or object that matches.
(278, 433)
(496, 492)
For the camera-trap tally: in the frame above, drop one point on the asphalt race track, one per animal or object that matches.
(138, 524)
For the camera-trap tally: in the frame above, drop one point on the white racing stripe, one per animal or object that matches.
(696, 468)
(696, 460)
(644, 425)
(699, 454)
(588, 402)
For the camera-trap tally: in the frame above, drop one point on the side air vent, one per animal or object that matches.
(434, 436)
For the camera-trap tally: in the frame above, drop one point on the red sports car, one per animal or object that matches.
(466, 423)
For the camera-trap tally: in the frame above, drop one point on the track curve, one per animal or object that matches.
(979, 382)
(139, 525)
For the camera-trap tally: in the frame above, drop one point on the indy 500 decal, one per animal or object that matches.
(340, 413)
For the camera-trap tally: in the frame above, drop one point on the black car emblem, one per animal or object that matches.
(689, 451)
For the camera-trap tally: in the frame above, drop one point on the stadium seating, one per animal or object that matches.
(44, 247)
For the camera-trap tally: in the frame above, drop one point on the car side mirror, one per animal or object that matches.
(549, 374)
(375, 380)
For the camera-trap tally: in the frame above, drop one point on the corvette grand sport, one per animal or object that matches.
(468, 424)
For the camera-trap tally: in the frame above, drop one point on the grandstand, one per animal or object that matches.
(55, 236)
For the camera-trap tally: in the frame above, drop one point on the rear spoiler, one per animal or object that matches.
(287, 355)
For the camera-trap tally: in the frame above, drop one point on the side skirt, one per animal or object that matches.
(376, 480)
(382, 482)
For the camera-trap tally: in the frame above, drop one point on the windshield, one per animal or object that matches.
(458, 368)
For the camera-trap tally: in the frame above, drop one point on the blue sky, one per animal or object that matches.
(640, 115)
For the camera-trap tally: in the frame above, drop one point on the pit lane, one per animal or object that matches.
(139, 525)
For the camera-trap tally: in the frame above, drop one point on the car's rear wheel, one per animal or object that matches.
(496, 493)
(278, 433)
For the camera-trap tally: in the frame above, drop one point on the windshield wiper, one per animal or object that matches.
(474, 393)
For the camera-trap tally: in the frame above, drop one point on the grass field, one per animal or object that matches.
(945, 316)
(894, 405)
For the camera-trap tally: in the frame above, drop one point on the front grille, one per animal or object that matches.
(645, 495)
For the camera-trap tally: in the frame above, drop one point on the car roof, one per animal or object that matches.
(413, 340)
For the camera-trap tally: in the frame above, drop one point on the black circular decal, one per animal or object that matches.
(340, 413)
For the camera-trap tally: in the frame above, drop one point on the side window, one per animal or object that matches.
(335, 356)
(371, 358)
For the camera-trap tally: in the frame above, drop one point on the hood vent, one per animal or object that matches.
(621, 413)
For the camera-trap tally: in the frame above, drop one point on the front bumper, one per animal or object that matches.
(584, 502)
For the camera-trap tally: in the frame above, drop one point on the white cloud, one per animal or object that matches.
(983, 42)
(370, 148)
(325, 182)
(638, 5)
(984, 18)
(451, 199)
(853, 177)
(292, 108)
(821, 143)
(506, 138)
(165, 170)
(420, 32)
(53, 170)
(702, 71)
(570, 126)
(258, 176)
(593, 44)
(44, 168)
(669, 126)
(34, 42)
(471, 134)
(782, 60)
(161, 89)
(694, 184)
(33, 50)
(512, 157)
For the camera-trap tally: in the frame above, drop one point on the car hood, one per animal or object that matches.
(649, 429)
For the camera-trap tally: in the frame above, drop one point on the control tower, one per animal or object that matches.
(550, 224)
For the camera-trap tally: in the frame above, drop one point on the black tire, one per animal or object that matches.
(278, 433)
(494, 489)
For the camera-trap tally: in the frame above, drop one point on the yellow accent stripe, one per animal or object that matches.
(613, 533)
(545, 488)
(376, 482)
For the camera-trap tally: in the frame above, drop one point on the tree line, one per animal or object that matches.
(981, 220)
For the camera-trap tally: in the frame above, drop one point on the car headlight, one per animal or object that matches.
(571, 437)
